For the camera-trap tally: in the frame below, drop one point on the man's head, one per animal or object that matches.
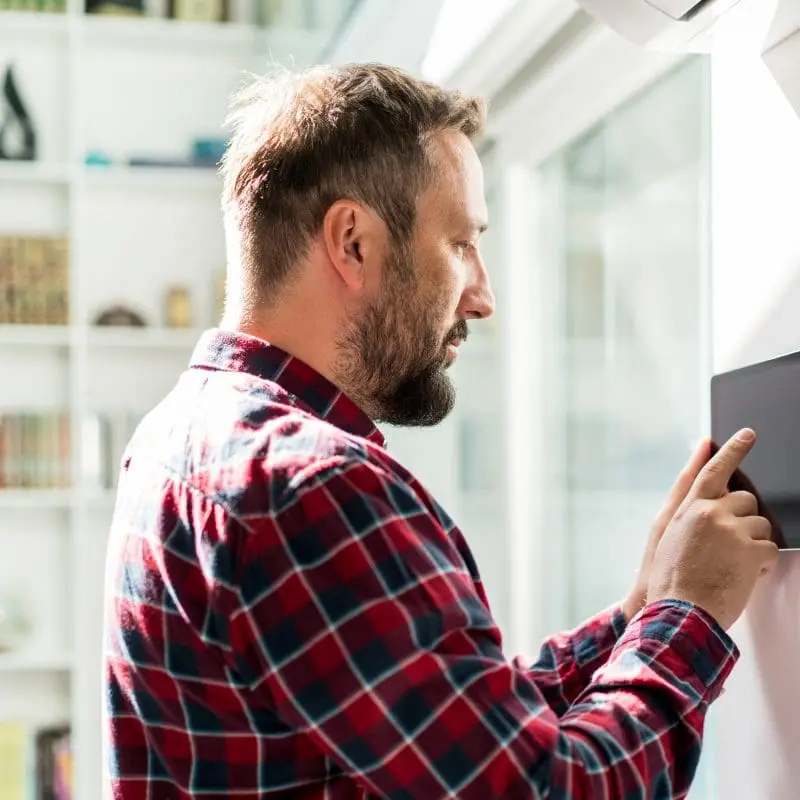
(353, 204)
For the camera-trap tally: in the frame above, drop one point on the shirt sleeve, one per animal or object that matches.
(361, 628)
(567, 661)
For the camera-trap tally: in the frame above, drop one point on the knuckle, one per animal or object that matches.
(734, 528)
(704, 515)
(757, 528)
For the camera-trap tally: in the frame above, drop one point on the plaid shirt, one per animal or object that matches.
(290, 614)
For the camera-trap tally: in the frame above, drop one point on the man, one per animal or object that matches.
(289, 612)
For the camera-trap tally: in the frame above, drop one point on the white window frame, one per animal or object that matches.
(594, 73)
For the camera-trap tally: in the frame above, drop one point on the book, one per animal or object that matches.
(53, 764)
(96, 446)
(34, 280)
(35, 450)
(52, 6)
(14, 761)
(35, 762)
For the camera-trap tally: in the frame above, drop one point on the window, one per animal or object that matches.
(627, 225)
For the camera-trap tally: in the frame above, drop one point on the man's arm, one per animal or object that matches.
(360, 626)
(567, 661)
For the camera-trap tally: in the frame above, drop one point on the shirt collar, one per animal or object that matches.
(234, 351)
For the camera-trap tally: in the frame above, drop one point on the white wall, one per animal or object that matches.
(756, 315)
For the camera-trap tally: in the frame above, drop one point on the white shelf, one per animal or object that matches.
(35, 662)
(36, 498)
(32, 172)
(101, 499)
(57, 498)
(125, 178)
(35, 335)
(143, 338)
(18, 24)
(63, 336)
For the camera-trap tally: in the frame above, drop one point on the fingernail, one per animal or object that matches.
(746, 435)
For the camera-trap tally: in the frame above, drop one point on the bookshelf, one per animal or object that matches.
(37, 499)
(35, 662)
(124, 88)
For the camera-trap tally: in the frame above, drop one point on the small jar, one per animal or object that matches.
(178, 307)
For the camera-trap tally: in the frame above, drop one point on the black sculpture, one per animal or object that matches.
(17, 136)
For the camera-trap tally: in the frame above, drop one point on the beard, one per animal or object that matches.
(393, 358)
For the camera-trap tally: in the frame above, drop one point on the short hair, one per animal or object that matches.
(301, 141)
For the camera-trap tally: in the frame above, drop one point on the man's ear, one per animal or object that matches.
(352, 237)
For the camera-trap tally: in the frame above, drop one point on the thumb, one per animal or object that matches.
(683, 483)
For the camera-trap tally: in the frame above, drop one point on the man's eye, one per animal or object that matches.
(464, 247)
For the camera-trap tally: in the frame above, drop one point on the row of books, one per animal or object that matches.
(104, 438)
(54, 6)
(35, 451)
(34, 280)
(35, 764)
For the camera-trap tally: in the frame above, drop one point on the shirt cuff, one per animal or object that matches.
(593, 641)
(674, 632)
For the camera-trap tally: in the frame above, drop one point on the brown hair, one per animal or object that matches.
(303, 140)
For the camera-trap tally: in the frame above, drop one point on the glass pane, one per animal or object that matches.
(628, 219)
(632, 255)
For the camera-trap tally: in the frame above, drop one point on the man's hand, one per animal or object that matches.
(637, 599)
(717, 545)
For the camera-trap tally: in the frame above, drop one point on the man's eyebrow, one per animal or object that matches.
(478, 225)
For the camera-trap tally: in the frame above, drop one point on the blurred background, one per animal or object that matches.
(579, 401)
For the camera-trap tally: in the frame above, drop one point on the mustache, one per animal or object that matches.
(458, 331)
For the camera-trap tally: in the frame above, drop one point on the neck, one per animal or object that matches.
(293, 328)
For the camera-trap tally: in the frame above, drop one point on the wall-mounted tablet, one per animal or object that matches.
(766, 398)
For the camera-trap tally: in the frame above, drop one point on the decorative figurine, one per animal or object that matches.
(120, 316)
(17, 136)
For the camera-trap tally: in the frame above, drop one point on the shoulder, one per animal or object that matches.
(344, 475)
(288, 453)
(361, 478)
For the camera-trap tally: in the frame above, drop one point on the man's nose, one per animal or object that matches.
(479, 301)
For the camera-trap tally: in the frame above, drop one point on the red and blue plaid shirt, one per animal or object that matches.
(290, 614)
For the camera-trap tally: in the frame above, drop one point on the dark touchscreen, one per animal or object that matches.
(766, 398)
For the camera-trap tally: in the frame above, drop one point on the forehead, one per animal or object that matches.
(455, 195)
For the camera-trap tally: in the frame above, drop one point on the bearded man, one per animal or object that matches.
(289, 612)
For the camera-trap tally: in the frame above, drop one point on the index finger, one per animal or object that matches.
(683, 485)
(714, 477)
